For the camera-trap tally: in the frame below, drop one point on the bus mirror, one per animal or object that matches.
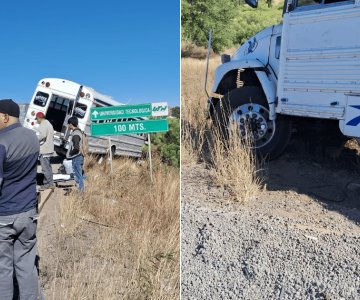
(252, 3)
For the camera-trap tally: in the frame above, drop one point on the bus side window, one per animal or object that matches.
(80, 110)
(58, 103)
(65, 105)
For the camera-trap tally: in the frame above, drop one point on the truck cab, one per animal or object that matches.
(308, 67)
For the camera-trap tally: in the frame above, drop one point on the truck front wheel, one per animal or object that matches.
(247, 108)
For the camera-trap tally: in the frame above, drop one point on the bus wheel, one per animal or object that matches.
(247, 108)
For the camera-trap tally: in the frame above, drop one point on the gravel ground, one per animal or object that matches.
(286, 243)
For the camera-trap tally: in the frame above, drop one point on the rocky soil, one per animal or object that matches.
(298, 239)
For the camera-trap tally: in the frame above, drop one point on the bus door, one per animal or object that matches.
(57, 111)
(72, 110)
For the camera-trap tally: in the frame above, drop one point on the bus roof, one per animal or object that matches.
(58, 84)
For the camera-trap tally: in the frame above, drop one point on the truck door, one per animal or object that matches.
(319, 58)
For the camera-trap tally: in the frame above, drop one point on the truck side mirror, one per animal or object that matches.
(252, 3)
(225, 58)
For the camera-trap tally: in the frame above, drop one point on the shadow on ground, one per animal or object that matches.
(308, 166)
(333, 181)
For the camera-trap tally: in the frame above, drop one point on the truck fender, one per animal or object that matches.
(225, 68)
(269, 88)
(268, 85)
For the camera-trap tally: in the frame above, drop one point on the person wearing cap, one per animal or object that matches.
(74, 154)
(46, 139)
(19, 151)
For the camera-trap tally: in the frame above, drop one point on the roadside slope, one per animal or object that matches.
(119, 240)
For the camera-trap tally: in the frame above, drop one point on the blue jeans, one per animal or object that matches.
(77, 164)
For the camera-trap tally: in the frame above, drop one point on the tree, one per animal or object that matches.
(249, 21)
(199, 16)
(168, 144)
(233, 22)
(175, 112)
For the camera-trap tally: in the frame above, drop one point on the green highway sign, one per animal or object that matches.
(130, 127)
(129, 111)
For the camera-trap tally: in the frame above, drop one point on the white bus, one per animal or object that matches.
(59, 99)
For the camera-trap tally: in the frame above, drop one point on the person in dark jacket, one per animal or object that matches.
(19, 152)
(74, 154)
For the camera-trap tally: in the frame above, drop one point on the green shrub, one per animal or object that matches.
(199, 16)
(175, 112)
(250, 21)
(232, 23)
(167, 144)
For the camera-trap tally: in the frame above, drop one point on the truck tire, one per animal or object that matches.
(248, 105)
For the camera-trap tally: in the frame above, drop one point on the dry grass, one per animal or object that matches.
(353, 144)
(121, 240)
(191, 50)
(193, 106)
(233, 164)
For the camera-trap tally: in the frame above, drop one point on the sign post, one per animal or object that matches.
(110, 157)
(118, 125)
(150, 162)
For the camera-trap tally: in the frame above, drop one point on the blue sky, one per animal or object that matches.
(127, 49)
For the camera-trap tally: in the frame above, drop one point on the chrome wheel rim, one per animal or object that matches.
(254, 119)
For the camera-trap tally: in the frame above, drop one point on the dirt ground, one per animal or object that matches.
(48, 227)
(56, 251)
(53, 267)
(47, 230)
(109, 242)
(297, 239)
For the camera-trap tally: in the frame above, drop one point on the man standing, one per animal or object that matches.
(46, 139)
(19, 151)
(74, 152)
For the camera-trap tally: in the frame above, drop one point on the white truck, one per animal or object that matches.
(307, 67)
